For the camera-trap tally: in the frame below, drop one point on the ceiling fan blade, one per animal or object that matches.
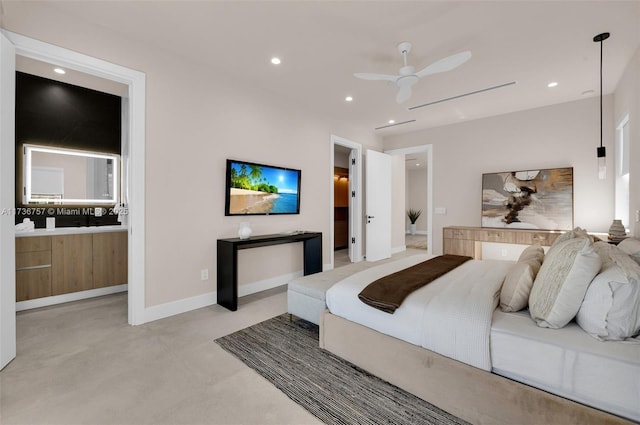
(367, 76)
(445, 64)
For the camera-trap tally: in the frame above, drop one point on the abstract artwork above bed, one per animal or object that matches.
(529, 199)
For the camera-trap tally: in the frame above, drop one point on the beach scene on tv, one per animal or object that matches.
(259, 189)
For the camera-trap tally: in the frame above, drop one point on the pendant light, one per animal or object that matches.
(601, 150)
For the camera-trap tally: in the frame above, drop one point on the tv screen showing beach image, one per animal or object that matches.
(261, 189)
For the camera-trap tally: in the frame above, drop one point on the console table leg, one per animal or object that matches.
(312, 255)
(227, 285)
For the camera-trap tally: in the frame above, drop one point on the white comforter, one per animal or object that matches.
(451, 315)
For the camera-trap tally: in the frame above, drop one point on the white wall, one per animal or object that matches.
(196, 118)
(554, 136)
(627, 101)
(341, 159)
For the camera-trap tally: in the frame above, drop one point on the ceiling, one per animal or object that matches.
(46, 70)
(323, 43)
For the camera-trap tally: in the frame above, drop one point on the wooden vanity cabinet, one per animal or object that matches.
(110, 265)
(72, 260)
(33, 268)
(61, 264)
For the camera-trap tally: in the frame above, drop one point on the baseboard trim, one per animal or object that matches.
(173, 308)
(263, 285)
(398, 249)
(73, 296)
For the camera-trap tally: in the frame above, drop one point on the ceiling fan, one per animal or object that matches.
(408, 77)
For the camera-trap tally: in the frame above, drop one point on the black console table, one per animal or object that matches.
(228, 259)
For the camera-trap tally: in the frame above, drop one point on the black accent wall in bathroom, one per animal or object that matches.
(52, 113)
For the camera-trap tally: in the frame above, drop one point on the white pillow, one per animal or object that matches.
(516, 288)
(632, 247)
(611, 306)
(562, 282)
(533, 252)
(578, 232)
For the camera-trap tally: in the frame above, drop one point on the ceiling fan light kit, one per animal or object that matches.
(408, 77)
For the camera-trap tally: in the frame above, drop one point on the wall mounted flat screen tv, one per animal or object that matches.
(258, 189)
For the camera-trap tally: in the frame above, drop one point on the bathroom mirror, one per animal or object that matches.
(68, 176)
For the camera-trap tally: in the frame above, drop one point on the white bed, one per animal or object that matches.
(567, 362)
(451, 315)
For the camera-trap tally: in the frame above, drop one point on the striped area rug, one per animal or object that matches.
(286, 353)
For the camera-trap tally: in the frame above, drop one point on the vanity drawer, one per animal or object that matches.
(33, 283)
(33, 260)
(33, 243)
(453, 233)
(537, 238)
(497, 235)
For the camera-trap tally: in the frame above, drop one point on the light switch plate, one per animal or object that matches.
(440, 210)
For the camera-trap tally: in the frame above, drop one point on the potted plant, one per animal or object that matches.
(413, 217)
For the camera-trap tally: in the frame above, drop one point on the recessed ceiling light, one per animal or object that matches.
(275, 60)
(417, 165)
(552, 84)
(348, 99)
(392, 121)
(59, 71)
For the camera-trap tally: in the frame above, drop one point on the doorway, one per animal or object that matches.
(346, 206)
(418, 193)
(341, 214)
(416, 205)
(133, 162)
(74, 165)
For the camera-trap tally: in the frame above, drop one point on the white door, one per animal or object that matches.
(378, 206)
(7, 202)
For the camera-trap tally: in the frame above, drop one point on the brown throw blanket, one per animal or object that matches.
(387, 293)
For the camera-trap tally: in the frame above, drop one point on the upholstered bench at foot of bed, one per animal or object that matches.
(306, 295)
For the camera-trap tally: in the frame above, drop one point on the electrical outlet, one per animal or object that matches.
(637, 216)
(204, 274)
(503, 252)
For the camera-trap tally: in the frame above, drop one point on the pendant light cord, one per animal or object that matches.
(601, 41)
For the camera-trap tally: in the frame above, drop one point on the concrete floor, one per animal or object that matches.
(81, 363)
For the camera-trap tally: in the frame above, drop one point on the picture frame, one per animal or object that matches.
(528, 199)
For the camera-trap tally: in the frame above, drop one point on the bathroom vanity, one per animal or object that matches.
(70, 260)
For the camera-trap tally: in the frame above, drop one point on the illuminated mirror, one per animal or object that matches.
(67, 176)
